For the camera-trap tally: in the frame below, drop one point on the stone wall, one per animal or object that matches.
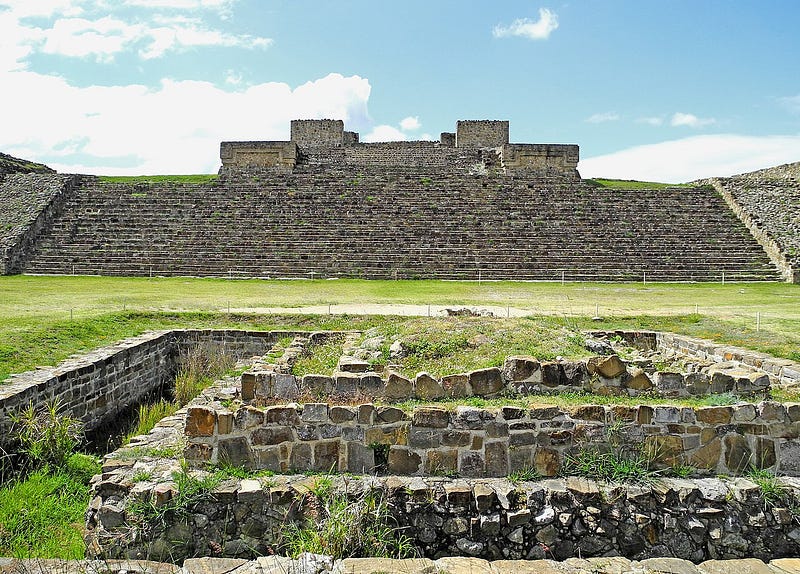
(278, 155)
(475, 442)
(481, 133)
(541, 158)
(99, 385)
(490, 519)
(785, 371)
(28, 204)
(314, 133)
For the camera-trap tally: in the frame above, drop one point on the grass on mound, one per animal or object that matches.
(632, 184)
(195, 178)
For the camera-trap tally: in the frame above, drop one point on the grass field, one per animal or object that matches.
(45, 319)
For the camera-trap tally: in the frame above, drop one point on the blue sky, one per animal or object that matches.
(668, 90)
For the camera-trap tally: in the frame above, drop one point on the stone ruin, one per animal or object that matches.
(316, 137)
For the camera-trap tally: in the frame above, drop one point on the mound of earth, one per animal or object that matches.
(11, 164)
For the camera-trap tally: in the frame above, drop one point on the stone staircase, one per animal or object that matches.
(373, 222)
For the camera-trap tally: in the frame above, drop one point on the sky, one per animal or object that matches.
(653, 90)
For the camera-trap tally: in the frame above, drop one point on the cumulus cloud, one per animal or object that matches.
(602, 118)
(680, 119)
(134, 129)
(527, 28)
(410, 123)
(74, 32)
(694, 158)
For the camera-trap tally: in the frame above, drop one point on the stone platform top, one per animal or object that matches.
(318, 564)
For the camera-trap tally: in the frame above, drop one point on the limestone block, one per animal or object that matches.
(456, 386)
(530, 567)
(398, 387)
(741, 566)
(386, 565)
(212, 565)
(285, 386)
(668, 566)
(371, 385)
(441, 462)
(247, 417)
(360, 458)
(426, 387)
(340, 414)
(389, 415)
(552, 374)
(471, 464)
(316, 385)
(200, 421)
(714, 415)
(345, 384)
(461, 565)
(234, 451)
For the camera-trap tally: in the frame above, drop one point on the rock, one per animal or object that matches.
(522, 369)
(668, 566)
(398, 387)
(199, 421)
(741, 566)
(403, 461)
(456, 386)
(639, 381)
(397, 350)
(486, 382)
(609, 367)
(430, 417)
(426, 387)
(385, 566)
(212, 565)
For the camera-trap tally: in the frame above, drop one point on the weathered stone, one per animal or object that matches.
(707, 456)
(790, 457)
(551, 374)
(248, 381)
(471, 464)
(424, 438)
(386, 565)
(471, 418)
(522, 369)
(496, 458)
(431, 417)
(547, 461)
(272, 435)
(285, 386)
(665, 449)
(456, 386)
(390, 415)
(639, 381)
(371, 385)
(315, 412)
(224, 422)
(234, 451)
(301, 457)
(670, 384)
(668, 566)
(317, 385)
(737, 453)
(589, 413)
(340, 414)
(458, 565)
(486, 382)
(456, 438)
(441, 462)
(212, 565)
(609, 367)
(200, 421)
(741, 566)
(345, 384)
(403, 461)
(427, 388)
(398, 387)
(326, 455)
(529, 567)
(714, 415)
(281, 416)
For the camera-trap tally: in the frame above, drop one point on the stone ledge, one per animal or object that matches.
(317, 564)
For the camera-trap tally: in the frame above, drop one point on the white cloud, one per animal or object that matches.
(410, 123)
(602, 118)
(651, 121)
(384, 133)
(533, 29)
(695, 157)
(680, 119)
(134, 130)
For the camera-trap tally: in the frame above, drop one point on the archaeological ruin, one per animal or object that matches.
(469, 206)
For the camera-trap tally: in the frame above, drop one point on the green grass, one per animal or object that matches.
(149, 414)
(45, 319)
(632, 184)
(320, 359)
(41, 515)
(194, 178)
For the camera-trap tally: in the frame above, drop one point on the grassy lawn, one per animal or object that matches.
(45, 319)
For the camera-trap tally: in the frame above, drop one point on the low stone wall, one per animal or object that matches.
(99, 385)
(783, 370)
(475, 442)
(488, 519)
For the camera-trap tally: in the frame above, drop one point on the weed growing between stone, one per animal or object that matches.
(46, 436)
(345, 525)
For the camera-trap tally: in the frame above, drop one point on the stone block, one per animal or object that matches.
(471, 418)
(200, 421)
(574, 373)
(397, 435)
(737, 453)
(740, 566)
(789, 456)
(486, 382)
(520, 458)
(610, 366)
(664, 449)
(315, 413)
(398, 387)
(496, 458)
(300, 458)
(272, 435)
(547, 462)
(389, 415)
(589, 413)
(281, 415)
(360, 458)
(552, 375)
(339, 415)
(456, 438)
(714, 415)
(326, 456)
(471, 464)
(708, 456)
(316, 385)
(198, 452)
(522, 369)
(352, 365)
(639, 381)
(431, 417)
(441, 462)
(371, 385)
(403, 461)
(424, 438)
(345, 384)
(456, 386)
(234, 451)
(224, 422)
(427, 387)
(248, 381)
(285, 387)
(269, 459)
(670, 384)
(365, 414)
